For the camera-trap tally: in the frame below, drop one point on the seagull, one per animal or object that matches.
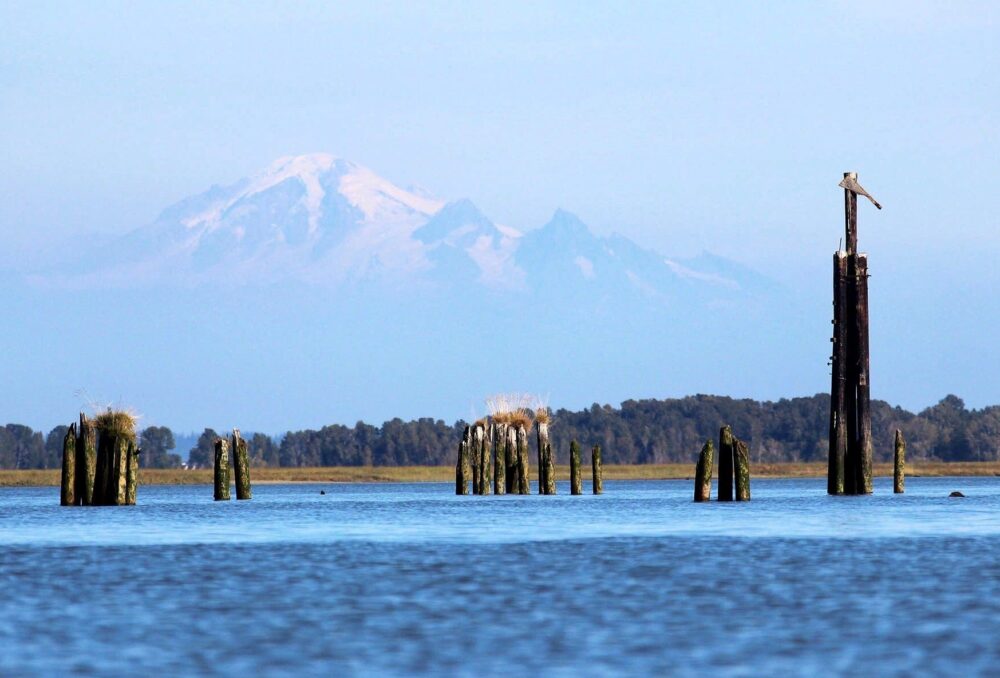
(852, 185)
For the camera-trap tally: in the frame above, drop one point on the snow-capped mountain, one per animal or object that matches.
(320, 219)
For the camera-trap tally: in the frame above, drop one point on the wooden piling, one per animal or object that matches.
(86, 461)
(838, 425)
(575, 476)
(597, 470)
(241, 463)
(462, 468)
(510, 458)
(67, 488)
(741, 459)
(726, 464)
(523, 462)
(899, 465)
(499, 460)
(120, 474)
(132, 474)
(541, 440)
(221, 469)
(482, 448)
(864, 455)
(550, 470)
(703, 473)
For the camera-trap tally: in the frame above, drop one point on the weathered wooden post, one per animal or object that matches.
(120, 491)
(838, 363)
(550, 470)
(132, 474)
(899, 465)
(472, 454)
(117, 432)
(597, 470)
(86, 461)
(726, 464)
(510, 458)
(221, 469)
(857, 393)
(523, 463)
(67, 488)
(575, 476)
(703, 473)
(241, 462)
(462, 468)
(499, 460)
(483, 453)
(541, 440)
(741, 457)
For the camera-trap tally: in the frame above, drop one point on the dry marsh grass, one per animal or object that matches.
(422, 474)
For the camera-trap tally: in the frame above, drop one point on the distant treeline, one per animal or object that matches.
(639, 432)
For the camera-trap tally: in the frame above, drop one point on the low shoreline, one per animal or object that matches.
(430, 474)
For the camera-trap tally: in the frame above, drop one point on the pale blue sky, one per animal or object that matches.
(720, 126)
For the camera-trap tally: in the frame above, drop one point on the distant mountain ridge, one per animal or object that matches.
(324, 220)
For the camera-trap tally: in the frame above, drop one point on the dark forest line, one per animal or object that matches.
(638, 432)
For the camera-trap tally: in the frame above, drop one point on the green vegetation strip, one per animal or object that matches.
(416, 474)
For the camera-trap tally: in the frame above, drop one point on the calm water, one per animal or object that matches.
(403, 579)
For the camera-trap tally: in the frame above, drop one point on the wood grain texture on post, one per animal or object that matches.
(523, 461)
(899, 464)
(461, 469)
(483, 454)
(67, 486)
(741, 458)
(864, 460)
(132, 474)
(726, 464)
(241, 463)
(838, 426)
(86, 461)
(221, 469)
(597, 470)
(703, 472)
(575, 474)
(499, 458)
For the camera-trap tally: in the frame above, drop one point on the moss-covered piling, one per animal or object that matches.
(575, 474)
(67, 488)
(550, 470)
(241, 463)
(726, 463)
(899, 465)
(741, 459)
(597, 470)
(86, 461)
(221, 469)
(703, 473)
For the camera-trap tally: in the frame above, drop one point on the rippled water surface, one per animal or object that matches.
(403, 579)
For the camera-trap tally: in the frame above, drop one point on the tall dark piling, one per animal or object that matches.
(499, 461)
(462, 468)
(575, 475)
(510, 458)
(67, 487)
(541, 440)
(523, 463)
(132, 474)
(899, 464)
(864, 455)
(838, 362)
(597, 470)
(726, 464)
(241, 463)
(703, 473)
(741, 459)
(472, 455)
(482, 451)
(86, 461)
(221, 469)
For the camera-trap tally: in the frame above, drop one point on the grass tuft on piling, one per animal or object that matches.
(116, 422)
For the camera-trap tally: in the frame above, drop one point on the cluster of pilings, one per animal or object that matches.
(850, 454)
(241, 463)
(493, 454)
(734, 469)
(100, 464)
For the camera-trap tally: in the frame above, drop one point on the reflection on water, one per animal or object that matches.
(398, 579)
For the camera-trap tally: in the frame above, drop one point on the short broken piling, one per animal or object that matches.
(726, 464)
(741, 458)
(598, 471)
(241, 462)
(221, 469)
(575, 476)
(67, 489)
(899, 465)
(703, 473)
(86, 461)
(462, 467)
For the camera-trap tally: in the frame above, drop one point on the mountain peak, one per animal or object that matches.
(566, 222)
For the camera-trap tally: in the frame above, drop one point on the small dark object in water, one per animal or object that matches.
(956, 493)
(322, 491)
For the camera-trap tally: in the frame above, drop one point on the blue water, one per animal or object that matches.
(404, 579)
